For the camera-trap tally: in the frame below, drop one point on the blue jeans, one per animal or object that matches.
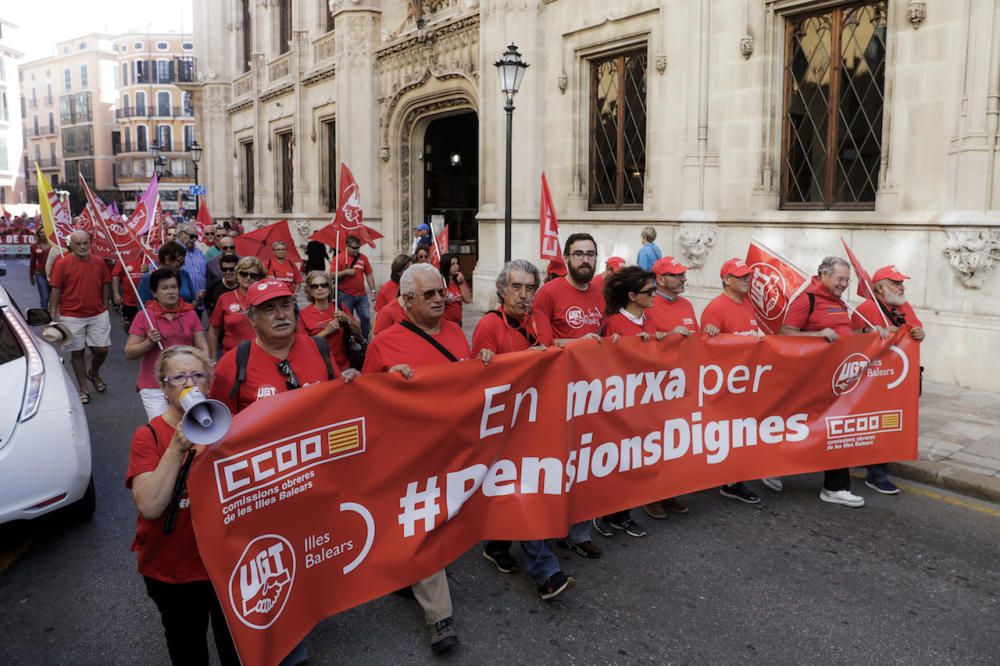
(42, 284)
(579, 532)
(876, 473)
(539, 561)
(361, 307)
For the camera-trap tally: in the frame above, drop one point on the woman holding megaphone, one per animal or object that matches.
(176, 579)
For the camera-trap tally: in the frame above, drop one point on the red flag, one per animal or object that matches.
(864, 281)
(774, 284)
(440, 247)
(549, 246)
(349, 220)
(110, 235)
(258, 243)
(204, 218)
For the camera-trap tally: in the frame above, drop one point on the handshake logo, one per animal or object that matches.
(262, 581)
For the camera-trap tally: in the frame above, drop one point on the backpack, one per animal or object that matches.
(243, 355)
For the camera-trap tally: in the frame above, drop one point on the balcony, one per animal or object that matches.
(243, 85)
(41, 131)
(49, 100)
(151, 112)
(324, 49)
(280, 68)
(50, 163)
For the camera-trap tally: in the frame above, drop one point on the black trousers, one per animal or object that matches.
(837, 479)
(185, 609)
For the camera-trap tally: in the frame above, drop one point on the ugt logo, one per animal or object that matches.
(849, 373)
(352, 207)
(262, 581)
(767, 291)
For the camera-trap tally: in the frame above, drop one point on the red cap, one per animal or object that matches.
(556, 268)
(889, 273)
(265, 290)
(734, 267)
(614, 263)
(669, 265)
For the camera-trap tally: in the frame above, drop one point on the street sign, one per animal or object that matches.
(196, 190)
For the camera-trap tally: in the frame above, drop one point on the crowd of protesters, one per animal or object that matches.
(232, 326)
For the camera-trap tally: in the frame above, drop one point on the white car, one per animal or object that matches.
(44, 440)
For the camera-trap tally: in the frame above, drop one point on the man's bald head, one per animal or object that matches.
(79, 243)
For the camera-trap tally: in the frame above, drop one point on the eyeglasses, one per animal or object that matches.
(291, 381)
(353, 246)
(251, 276)
(580, 254)
(319, 285)
(227, 247)
(431, 293)
(188, 233)
(182, 380)
(648, 292)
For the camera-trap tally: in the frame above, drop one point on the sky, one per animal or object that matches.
(41, 24)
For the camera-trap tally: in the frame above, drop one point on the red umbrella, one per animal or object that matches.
(258, 243)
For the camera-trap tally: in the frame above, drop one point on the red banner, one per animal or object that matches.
(327, 497)
(774, 284)
(15, 244)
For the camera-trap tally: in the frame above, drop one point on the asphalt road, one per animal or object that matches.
(911, 579)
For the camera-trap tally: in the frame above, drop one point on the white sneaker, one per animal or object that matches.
(845, 497)
(773, 483)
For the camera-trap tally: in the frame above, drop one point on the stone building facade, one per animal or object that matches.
(796, 122)
(11, 139)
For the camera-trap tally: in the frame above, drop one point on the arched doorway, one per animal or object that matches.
(451, 182)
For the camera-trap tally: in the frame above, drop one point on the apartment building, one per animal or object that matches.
(11, 184)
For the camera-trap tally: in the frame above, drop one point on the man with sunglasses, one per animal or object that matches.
(424, 339)
(225, 247)
(353, 272)
(228, 282)
(188, 235)
(278, 359)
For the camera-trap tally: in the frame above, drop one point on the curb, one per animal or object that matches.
(949, 477)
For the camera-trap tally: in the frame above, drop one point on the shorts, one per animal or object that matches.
(90, 331)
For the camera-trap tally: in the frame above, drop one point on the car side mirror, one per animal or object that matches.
(3, 271)
(38, 317)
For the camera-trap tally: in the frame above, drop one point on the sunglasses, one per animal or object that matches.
(319, 285)
(648, 292)
(228, 270)
(291, 381)
(431, 293)
(251, 276)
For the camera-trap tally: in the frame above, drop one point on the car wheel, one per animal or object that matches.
(83, 509)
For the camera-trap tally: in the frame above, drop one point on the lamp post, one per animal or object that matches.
(511, 68)
(195, 151)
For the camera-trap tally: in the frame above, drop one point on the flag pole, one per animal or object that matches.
(436, 246)
(868, 286)
(336, 276)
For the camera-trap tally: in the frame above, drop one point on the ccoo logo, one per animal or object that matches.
(261, 583)
(849, 373)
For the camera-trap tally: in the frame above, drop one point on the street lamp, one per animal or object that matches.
(195, 151)
(511, 68)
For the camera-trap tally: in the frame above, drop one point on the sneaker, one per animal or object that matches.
(655, 510)
(443, 636)
(738, 491)
(845, 497)
(885, 486)
(773, 483)
(602, 527)
(502, 559)
(629, 526)
(675, 505)
(586, 549)
(557, 583)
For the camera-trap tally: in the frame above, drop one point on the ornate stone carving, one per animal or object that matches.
(563, 83)
(972, 254)
(661, 63)
(916, 12)
(696, 241)
(303, 228)
(746, 45)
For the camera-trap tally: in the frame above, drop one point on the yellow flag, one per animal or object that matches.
(48, 220)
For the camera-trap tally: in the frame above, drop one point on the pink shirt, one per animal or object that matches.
(177, 331)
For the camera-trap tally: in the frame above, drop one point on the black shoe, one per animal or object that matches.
(443, 636)
(502, 559)
(601, 527)
(557, 583)
(629, 526)
(738, 491)
(586, 549)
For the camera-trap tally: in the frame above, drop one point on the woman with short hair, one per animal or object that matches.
(230, 314)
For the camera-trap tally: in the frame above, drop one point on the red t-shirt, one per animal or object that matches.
(171, 558)
(229, 316)
(870, 311)
(401, 345)
(731, 317)
(312, 320)
(622, 325)
(128, 293)
(388, 316)
(563, 311)
(828, 311)
(39, 255)
(263, 379)
(285, 271)
(503, 334)
(81, 283)
(353, 285)
(453, 306)
(667, 315)
(387, 292)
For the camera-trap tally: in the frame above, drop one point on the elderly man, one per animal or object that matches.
(281, 269)
(820, 312)
(209, 236)
(80, 291)
(510, 328)
(354, 271)
(424, 339)
(671, 312)
(213, 269)
(568, 309)
(890, 298)
(187, 234)
(649, 253)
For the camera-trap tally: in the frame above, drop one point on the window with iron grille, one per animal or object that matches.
(618, 130)
(248, 177)
(286, 173)
(833, 103)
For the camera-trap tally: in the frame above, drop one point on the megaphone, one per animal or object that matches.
(205, 421)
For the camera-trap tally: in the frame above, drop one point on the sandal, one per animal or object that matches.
(98, 383)
(84, 397)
